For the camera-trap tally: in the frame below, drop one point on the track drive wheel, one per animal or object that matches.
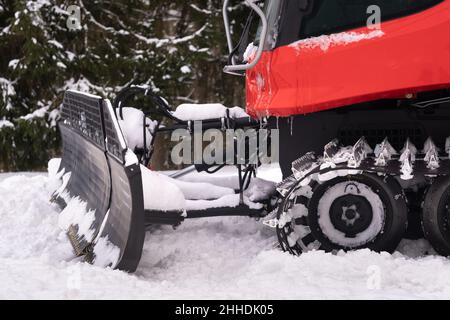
(348, 213)
(436, 216)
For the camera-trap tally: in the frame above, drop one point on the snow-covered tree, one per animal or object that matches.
(176, 47)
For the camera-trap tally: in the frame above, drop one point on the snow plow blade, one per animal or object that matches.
(105, 179)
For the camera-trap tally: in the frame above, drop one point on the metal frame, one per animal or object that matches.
(175, 218)
(243, 67)
(161, 107)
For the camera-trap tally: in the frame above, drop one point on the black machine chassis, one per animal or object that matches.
(397, 120)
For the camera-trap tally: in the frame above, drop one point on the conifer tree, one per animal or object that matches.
(178, 48)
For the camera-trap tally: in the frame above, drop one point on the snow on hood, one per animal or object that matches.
(343, 38)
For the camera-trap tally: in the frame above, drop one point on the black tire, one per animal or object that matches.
(393, 201)
(436, 216)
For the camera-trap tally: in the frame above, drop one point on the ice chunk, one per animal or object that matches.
(384, 152)
(359, 152)
(260, 190)
(406, 165)
(431, 154)
(304, 165)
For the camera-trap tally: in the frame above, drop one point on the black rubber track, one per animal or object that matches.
(435, 220)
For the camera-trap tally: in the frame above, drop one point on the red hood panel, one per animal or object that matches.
(408, 55)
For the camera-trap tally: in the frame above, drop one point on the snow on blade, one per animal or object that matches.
(130, 158)
(65, 180)
(325, 42)
(106, 253)
(53, 167)
(76, 213)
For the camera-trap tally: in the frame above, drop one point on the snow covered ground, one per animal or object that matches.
(226, 258)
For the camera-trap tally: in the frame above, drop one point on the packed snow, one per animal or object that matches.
(206, 111)
(76, 213)
(214, 258)
(106, 254)
(202, 190)
(132, 126)
(260, 189)
(231, 201)
(160, 193)
(249, 52)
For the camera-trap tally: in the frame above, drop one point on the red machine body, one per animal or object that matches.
(405, 56)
